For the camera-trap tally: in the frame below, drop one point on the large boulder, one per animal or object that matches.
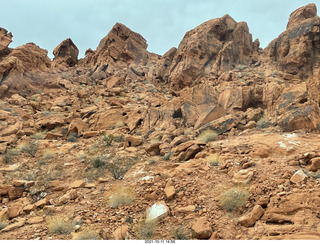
(66, 54)
(213, 47)
(5, 40)
(296, 49)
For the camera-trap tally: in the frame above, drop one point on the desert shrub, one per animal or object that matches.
(30, 148)
(234, 198)
(146, 229)
(40, 135)
(3, 224)
(121, 195)
(82, 157)
(182, 233)
(208, 135)
(60, 225)
(213, 159)
(263, 123)
(48, 154)
(72, 137)
(87, 234)
(99, 161)
(118, 167)
(108, 139)
(9, 156)
(167, 156)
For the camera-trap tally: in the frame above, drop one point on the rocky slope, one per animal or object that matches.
(219, 134)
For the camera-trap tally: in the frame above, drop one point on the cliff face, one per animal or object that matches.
(216, 116)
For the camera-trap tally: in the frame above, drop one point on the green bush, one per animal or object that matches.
(73, 137)
(263, 123)
(182, 233)
(108, 139)
(30, 148)
(99, 161)
(234, 198)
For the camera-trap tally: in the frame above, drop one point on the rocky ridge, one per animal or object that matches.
(216, 115)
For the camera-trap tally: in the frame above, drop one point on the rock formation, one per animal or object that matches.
(66, 54)
(127, 144)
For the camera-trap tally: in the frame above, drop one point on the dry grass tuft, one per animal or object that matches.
(60, 225)
(121, 195)
(208, 135)
(145, 230)
(234, 198)
(87, 234)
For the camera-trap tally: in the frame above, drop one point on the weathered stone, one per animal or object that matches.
(77, 126)
(202, 229)
(34, 220)
(77, 184)
(5, 40)
(244, 176)
(132, 141)
(299, 177)
(251, 218)
(24, 183)
(120, 233)
(15, 210)
(41, 203)
(315, 164)
(169, 191)
(153, 149)
(14, 226)
(157, 211)
(187, 209)
(65, 54)
(15, 193)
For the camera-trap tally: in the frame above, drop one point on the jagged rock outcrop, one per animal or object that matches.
(65, 54)
(212, 47)
(5, 40)
(297, 50)
(121, 47)
(20, 68)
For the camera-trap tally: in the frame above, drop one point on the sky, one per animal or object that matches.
(162, 23)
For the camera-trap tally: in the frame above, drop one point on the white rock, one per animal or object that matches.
(156, 212)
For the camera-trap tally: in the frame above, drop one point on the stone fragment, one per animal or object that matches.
(187, 209)
(24, 183)
(15, 210)
(120, 233)
(201, 229)
(250, 219)
(153, 149)
(315, 164)
(77, 184)
(42, 202)
(15, 193)
(299, 177)
(244, 176)
(169, 191)
(157, 211)
(34, 220)
(132, 141)
(14, 226)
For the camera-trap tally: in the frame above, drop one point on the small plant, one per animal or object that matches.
(39, 135)
(72, 137)
(167, 156)
(213, 159)
(108, 139)
(3, 224)
(208, 135)
(87, 234)
(9, 155)
(146, 229)
(82, 157)
(181, 233)
(121, 195)
(30, 148)
(263, 123)
(119, 167)
(99, 161)
(234, 198)
(60, 225)
(48, 155)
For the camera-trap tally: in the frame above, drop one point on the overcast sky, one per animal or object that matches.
(162, 23)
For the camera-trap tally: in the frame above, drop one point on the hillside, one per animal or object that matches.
(216, 139)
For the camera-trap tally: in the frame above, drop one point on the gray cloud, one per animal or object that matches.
(162, 23)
